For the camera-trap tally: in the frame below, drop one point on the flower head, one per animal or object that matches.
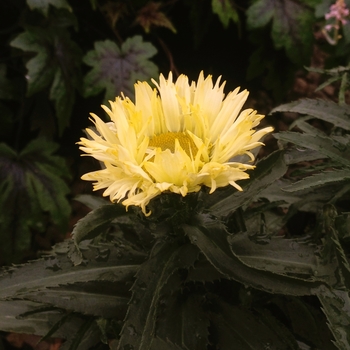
(339, 11)
(175, 138)
(338, 15)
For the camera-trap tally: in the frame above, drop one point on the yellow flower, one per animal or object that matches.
(175, 138)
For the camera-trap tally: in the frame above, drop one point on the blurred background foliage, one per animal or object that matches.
(60, 59)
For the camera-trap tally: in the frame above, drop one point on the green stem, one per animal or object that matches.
(342, 89)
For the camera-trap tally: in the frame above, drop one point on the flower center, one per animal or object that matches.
(167, 141)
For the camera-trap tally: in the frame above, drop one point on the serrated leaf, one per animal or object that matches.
(291, 22)
(55, 65)
(150, 15)
(211, 239)
(32, 186)
(43, 5)
(93, 224)
(116, 69)
(96, 221)
(225, 10)
(342, 223)
(139, 326)
(120, 264)
(35, 320)
(328, 111)
(336, 307)
(325, 145)
(267, 171)
(274, 193)
(319, 180)
(332, 236)
(295, 155)
(282, 256)
(89, 298)
(306, 127)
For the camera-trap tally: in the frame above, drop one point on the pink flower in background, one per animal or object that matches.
(339, 12)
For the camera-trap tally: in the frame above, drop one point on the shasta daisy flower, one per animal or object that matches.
(175, 138)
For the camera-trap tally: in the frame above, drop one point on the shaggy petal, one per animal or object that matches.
(175, 138)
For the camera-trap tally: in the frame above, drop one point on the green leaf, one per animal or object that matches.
(93, 224)
(267, 171)
(342, 223)
(57, 326)
(43, 5)
(328, 111)
(295, 155)
(91, 201)
(24, 316)
(328, 82)
(211, 239)
(62, 92)
(260, 13)
(323, 8)
(319, 180)
(225, 10)
(305, 127)
(282, 256)
(332, 238)
(89, 298)
(291, 23)
(116, 69)
(56, 64)
(105, 262)
(32, 187)
(139, 326)
(87, 336)
(336, 307)
(325, 145)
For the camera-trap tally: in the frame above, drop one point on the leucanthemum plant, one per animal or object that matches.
(177, 137)
(191, 251)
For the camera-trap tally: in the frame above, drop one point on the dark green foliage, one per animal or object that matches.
(267, 171)
(55, 67)
(266, 268)
(43, 5)
(116, 69)
(334, 149)
(328, 111)
(187, 277)
(226, 11)
(291, 25)
(184, 296)
(33, 195)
